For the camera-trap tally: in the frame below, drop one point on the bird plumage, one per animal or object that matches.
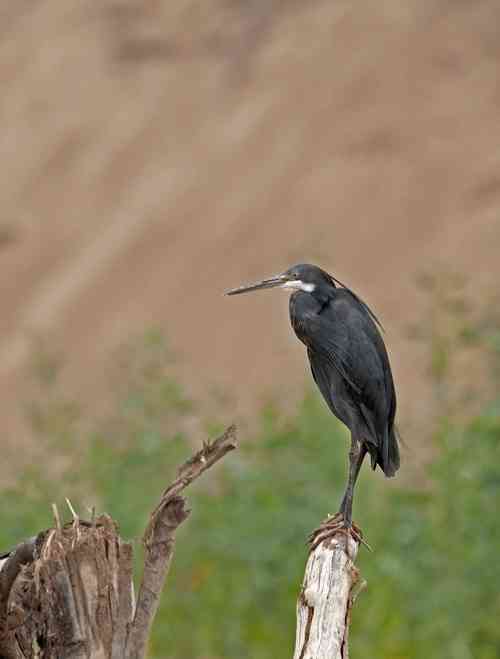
(350, 366)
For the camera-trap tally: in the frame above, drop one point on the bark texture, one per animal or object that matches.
(71, 597)
(331, 582)
(68, 593)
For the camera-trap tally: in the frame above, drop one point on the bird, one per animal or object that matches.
(350, 366)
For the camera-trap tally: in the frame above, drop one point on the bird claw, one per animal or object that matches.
(331, 527)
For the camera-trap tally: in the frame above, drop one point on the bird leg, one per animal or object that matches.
(356, 457)
(342, 521)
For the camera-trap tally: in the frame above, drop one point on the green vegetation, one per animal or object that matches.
(432, 579)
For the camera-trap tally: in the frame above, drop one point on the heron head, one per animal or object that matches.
(302, 277)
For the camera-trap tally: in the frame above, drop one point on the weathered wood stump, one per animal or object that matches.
(73, 597)
(68, 593)
(331, 583)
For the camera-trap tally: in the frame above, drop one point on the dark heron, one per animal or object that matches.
(349, 364)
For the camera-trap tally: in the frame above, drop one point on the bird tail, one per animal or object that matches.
(389, 460)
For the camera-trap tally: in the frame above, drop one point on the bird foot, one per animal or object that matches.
(333, 525)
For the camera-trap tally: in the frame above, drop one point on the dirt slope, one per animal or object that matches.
(155, 154)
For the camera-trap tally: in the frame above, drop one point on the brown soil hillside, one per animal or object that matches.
(157, 153)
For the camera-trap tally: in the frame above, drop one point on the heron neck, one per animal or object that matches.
(323, 295)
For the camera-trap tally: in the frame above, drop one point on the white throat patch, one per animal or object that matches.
(298, 285)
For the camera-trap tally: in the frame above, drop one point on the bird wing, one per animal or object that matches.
(344, 337)
(331, 354)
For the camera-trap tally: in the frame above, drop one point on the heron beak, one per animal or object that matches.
(273, 282)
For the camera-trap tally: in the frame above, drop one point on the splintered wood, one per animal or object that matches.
(68, 592)
(331, 582)
(74, 599)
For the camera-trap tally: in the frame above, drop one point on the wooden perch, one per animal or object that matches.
(331, 584)
(68, 593)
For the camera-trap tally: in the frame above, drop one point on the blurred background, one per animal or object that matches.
(157, 153)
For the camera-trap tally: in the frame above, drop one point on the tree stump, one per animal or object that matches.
(68, 593)
(331, 584)
(74, 597)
